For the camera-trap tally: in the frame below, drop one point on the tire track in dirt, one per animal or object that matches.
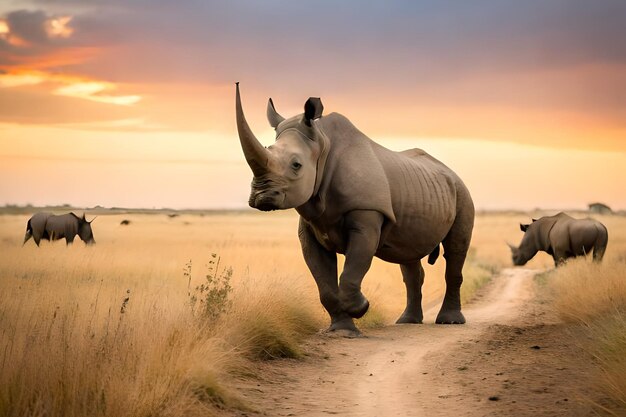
(388, 372)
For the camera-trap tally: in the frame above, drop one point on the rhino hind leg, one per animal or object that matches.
(455, 245)
(600, 245)
(27, 236)
(450, 312)
(413, 275)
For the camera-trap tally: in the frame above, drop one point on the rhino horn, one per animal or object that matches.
(513, 247)
(91, 221)
(272, 115)
(256, 155)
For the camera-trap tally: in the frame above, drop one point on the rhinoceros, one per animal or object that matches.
(562, 237)
(358, 198)
(48, 226)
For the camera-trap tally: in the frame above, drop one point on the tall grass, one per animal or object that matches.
(96, 348)
(593, 296)
(114, 330)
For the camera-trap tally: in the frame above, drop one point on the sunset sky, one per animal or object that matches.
(131, 103)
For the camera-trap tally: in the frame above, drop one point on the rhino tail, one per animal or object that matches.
(433, 255)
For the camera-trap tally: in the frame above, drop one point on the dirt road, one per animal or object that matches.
(511, 358)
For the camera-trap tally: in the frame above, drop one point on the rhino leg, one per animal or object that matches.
(560, 255)
(413, 275)
(599, 246)
(455, 247)
(362, 229)
(27, 236)
(323, 266)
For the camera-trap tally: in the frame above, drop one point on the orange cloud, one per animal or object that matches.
(93, 90)
(31, 64)
(70, 86)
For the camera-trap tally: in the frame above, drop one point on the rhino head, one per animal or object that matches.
(529, 247)
(288, 173)
(84, 230)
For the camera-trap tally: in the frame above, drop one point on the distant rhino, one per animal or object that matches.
(562, 237)
(48, 226)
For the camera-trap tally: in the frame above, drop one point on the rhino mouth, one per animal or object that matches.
(266, 201)
(266, 207)
(267, 193)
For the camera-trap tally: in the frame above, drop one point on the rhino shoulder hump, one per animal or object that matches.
(415, 152)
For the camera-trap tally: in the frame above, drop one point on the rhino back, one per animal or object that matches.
(62, 226)
(416, 193)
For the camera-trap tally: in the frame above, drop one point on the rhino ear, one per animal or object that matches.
(313, 109)
(272, 115)
(534, 220)
(523, 227)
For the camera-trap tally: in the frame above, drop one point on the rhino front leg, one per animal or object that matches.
(323, 266)
(413, 275)
(362, 231)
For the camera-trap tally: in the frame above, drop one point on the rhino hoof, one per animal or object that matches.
(343, 328)
(450, 317)
(346, 333)
(408, 319)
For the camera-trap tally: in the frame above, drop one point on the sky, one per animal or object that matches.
(130, 103)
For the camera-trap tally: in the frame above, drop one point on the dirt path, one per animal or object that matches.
(434, 370)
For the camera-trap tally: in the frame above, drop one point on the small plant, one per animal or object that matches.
(210, 299)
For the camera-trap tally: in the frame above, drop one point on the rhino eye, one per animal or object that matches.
(296, 165)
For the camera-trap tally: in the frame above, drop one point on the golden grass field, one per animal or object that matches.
(111, 330)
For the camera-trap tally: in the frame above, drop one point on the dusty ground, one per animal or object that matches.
(512, 358)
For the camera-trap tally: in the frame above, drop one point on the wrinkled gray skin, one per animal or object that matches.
(362, 200)
(562, 237)
(47, 226)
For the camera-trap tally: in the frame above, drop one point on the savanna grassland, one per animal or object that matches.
(167, 315)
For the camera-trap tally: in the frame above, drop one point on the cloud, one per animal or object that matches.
(70, 86)
(36, 106)
(28, 26)
(559, 56)
(38, 50)
(95, 91)
(27, 29)
(26, 34)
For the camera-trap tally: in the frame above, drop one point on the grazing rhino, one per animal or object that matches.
(362, 200)
(562, 237)
(47, 226)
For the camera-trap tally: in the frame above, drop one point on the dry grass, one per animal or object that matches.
(67, 349)
(593, 296)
